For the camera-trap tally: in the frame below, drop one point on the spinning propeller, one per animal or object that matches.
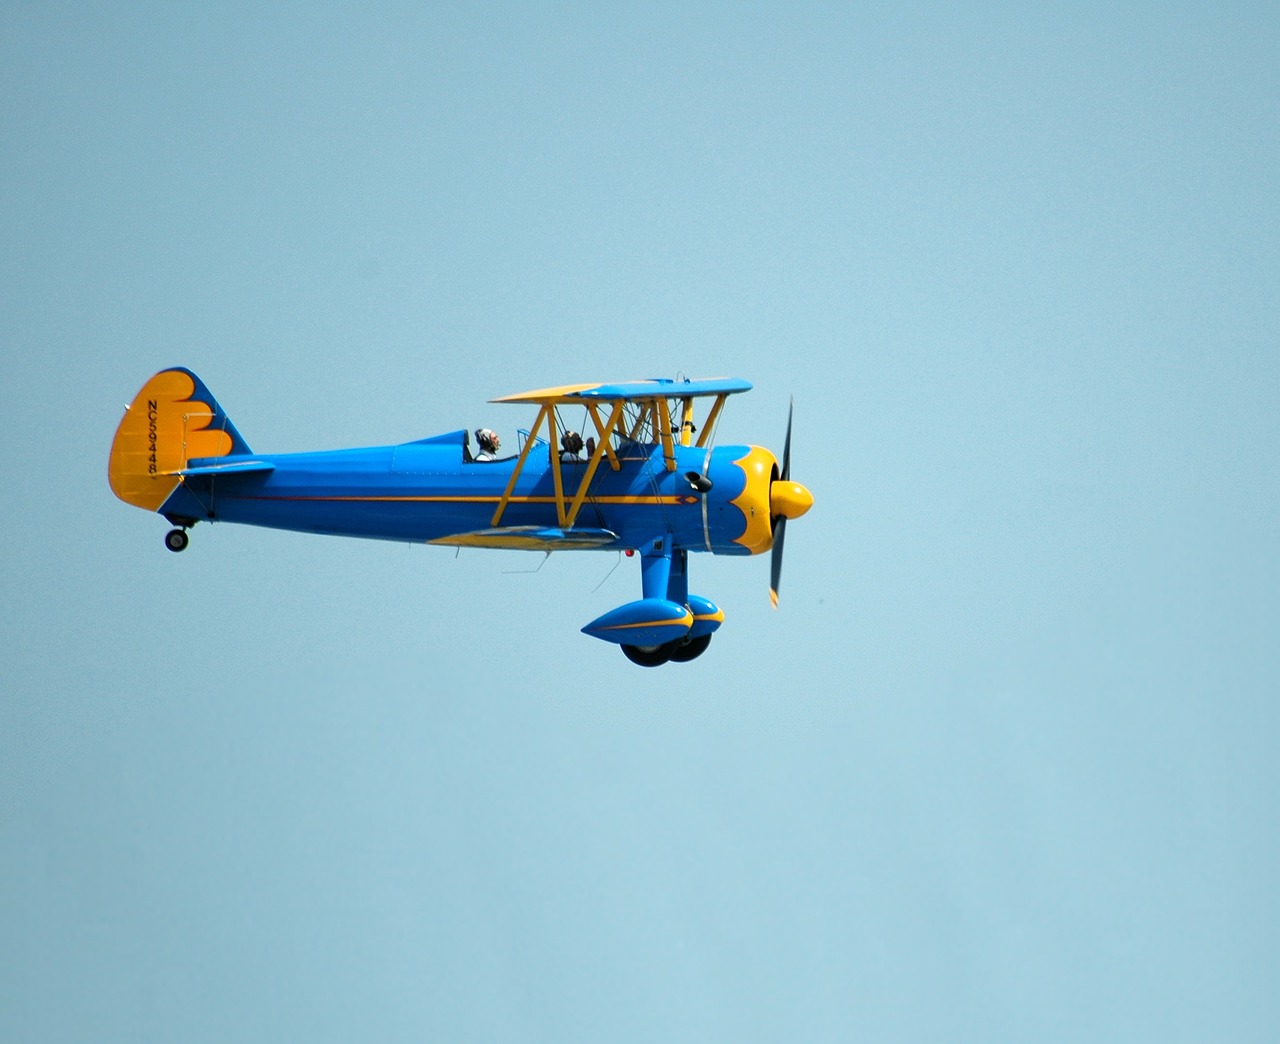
(787, 499)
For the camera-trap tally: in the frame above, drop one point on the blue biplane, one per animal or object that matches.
(646, 478)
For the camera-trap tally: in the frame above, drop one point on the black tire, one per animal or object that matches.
(648, 656)
(176, 540)
(689, 648)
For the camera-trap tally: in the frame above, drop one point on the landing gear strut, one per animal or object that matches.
(176, 540)
(682, 650)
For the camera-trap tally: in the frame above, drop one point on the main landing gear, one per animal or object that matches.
(682, 650)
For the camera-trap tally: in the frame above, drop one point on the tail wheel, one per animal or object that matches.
(176, 540)
(647, 655)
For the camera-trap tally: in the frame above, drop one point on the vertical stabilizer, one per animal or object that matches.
(171, 420)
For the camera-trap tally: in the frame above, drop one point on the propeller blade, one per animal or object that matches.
(780, 522)
(786, 447)
(775, 564)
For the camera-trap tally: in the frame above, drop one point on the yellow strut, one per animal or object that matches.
(686, 422)
(709, 425)
(556, 477)
(606, 431)
(663, 412)
(594, 463)
(524, 455)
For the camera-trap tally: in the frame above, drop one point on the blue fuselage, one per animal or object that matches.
(426, 491)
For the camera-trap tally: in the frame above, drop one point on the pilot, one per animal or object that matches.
(488, 442)
(571, 447)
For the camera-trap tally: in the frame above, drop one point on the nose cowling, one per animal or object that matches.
(760, 468)
(767, 500)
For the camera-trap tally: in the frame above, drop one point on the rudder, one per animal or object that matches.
(172, 420)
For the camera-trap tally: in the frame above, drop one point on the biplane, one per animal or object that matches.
(628, 467)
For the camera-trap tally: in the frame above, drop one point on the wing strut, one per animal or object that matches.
(515, 474)
(566, 510)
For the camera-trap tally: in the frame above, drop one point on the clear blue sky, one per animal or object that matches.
(1002, 768)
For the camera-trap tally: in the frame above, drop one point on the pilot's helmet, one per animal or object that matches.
(488, 439)
(572, 442)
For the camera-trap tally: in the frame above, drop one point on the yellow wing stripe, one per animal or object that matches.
(687, 621)
(543, 396)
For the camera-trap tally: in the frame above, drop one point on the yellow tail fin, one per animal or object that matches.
(170, 421)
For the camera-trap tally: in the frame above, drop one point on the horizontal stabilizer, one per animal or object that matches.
(533, 538)
(225, 467)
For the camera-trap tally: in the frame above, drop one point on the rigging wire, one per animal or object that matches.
(608, 574)
(528, 572)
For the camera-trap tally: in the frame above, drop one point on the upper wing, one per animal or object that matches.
(631, 391)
